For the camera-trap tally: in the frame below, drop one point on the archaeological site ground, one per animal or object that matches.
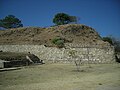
(48, 59)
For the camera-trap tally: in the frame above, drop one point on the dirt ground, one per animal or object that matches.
(62, 77)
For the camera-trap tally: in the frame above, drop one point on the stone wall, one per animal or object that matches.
(95, 54)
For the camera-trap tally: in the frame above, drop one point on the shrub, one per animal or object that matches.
(107, 39)
(117, 58)
(58, 41)
(55, 39)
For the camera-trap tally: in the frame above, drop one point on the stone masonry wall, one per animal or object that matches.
(93, 54)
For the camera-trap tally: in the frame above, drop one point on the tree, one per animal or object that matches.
(10, 21)
(113, 41)
(108, 39)
(74, 19)
(77, 59)
(116, 43)
(62, 18)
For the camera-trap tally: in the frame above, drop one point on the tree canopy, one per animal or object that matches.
(74, 19)
(62, 18)
(10, 21)
(108, 39)
(113, 41)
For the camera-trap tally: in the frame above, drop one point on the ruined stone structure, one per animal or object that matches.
(91, 53)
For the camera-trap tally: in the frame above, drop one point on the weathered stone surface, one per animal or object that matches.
(95, 54)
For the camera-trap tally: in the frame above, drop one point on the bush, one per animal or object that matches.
(58, 41)
(108, 39)
(116, 43)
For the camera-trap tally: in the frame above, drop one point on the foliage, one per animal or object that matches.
(72, 53)
(117, 58)
(74, 19)
(113, 41)
(77, 59)
(58, 41)
(108, 39)
(116, 43)
(10, 21)
(62, 18)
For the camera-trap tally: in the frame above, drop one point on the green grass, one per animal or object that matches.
(62, 77)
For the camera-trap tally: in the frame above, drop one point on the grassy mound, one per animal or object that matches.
(71, 33)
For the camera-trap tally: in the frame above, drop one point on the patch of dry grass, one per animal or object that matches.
(74, 33)
(62, 77)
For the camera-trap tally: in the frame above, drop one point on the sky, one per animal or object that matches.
(102, 15)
